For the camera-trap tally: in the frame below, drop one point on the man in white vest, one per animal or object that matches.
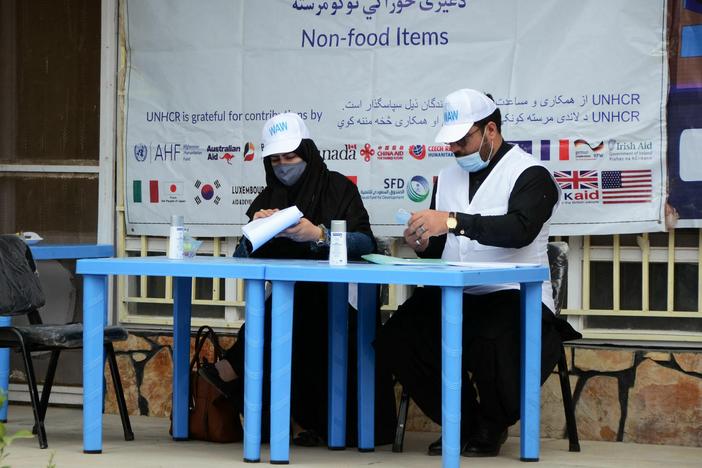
(494, 204)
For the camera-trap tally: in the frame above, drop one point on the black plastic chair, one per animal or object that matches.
(558, 263)
(18, 277)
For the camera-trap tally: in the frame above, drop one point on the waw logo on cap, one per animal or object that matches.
(450, 115)
(278, 127)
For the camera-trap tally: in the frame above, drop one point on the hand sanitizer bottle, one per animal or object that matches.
(177, 235)
(337, 243)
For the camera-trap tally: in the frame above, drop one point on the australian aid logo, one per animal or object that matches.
(578, 187)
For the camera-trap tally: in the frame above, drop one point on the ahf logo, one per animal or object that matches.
(140, 152)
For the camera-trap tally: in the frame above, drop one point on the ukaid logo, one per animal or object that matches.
(207, 192)
(417, 151)
(391, 152)
(439, 151)
(418, 189)
(578, 186)
(586, 151)
(347, 153)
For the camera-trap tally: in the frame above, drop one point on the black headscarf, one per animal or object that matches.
(320, 194)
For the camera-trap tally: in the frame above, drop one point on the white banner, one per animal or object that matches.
(581, 85)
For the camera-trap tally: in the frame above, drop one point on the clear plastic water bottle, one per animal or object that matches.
(177, 235)
(337, 243)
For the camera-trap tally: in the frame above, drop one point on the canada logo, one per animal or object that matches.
(417, 151)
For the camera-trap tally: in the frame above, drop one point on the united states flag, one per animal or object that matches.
(577, 180)
(626, 186)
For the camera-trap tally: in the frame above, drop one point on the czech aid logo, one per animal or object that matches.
(249, 151)
(140, 152)
(367, 152)
(418, 189)
(417, 151)
(207, 192)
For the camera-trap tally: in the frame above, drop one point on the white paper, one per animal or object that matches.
(261, 230)
(494, 265)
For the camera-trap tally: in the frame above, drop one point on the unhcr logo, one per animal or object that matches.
(279, 127)
(450, 116)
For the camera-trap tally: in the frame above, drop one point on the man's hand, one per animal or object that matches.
(414, 241)
(264, 213)
(304, 231)
(427, 223)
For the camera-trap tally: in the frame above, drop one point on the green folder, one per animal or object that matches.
(388, 260)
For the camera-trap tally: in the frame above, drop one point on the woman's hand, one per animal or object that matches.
(264, 213)
(304, 231)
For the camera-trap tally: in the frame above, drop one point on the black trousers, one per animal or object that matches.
(310, 368)
(410, 345)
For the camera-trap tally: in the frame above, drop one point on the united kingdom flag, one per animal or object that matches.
(577, 180)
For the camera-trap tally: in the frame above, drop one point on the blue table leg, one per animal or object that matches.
(338, 363)
(530, 370)
(451, 353)
(94, 313)
(281, 355)
(253, 369)
(367, 304)
(182, 290)
(5, 321)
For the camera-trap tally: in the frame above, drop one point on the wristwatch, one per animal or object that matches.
(323, 237)
(451, 222)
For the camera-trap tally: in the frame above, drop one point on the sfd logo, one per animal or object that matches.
(393, 183)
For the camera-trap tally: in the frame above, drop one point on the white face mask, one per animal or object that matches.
(473, 162)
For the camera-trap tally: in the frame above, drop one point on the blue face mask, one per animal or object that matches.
(288, 174)
(474, 162)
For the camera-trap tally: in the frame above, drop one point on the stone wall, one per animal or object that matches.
(620, 394)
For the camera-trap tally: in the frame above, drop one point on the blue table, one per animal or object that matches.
(283, 275)
(95, 273)
(47, 252)
(452, 280)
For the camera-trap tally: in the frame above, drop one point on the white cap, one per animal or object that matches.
(462, 109)
(283, 134)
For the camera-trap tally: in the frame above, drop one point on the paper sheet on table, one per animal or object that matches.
(388, 260)
(261, 230)
(491, 264)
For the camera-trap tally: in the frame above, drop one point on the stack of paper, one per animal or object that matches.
(261, 230)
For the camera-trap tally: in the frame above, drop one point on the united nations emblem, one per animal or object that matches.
(140, 152)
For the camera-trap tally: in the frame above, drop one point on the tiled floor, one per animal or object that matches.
(153, 447)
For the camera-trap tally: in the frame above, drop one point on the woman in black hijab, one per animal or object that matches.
(297, 175)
